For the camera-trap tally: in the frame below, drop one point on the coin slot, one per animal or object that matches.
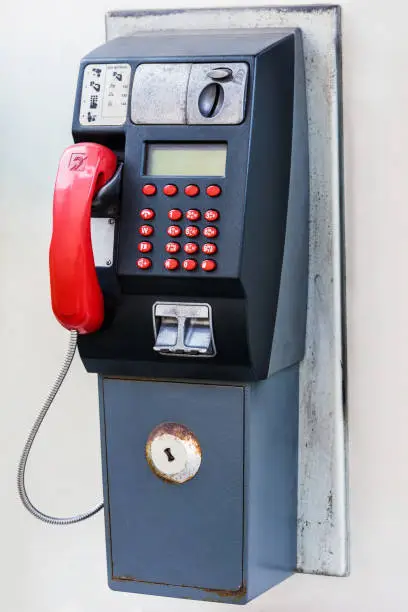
(211, 100)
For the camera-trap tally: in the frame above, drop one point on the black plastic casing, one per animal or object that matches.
(258, 293)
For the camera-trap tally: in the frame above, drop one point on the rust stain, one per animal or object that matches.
(174, 429)
(231, 595)
(234, 596)
(179, 431)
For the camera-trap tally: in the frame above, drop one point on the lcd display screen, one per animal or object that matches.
(186, 158)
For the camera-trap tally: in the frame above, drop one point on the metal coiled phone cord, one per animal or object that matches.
(53, 520)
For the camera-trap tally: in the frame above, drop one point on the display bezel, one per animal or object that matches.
(173, 145)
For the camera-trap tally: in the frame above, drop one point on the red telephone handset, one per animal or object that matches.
(76, 296)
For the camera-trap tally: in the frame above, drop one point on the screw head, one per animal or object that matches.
(108, 262)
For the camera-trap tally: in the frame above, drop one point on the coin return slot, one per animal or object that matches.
(197, 334)
(183, 330)
(167, 334)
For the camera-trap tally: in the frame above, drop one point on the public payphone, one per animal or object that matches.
(179, 261)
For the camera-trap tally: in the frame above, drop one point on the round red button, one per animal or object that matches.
(189, 264)
(211, 215)
(174, 230)
(145, 247)
(192, 190)
(149, 189)
(210, 232)
(143, 263)
(193, 215)
(190, 248)
(191, 231)
(172, 247)
(146, 230)
(170, 190)
(208, 265)
(209, 248)
(174, 214)
(147, 214)
(213, 191)
(171, 264)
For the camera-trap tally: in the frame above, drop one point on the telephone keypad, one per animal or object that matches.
(208, 265)
(147, 214)
(189, 265)
(171, 264)
(213, 191)
(193, 215)
(190, 248)
(211, 216)
(181, 226)
(192, 190)
(175, 214)
(209, 248)
(170, 190)
(146, 230)
(174, 231)
(145, 246)
(149, 189)
(210, 232)
(172, 247)
(192, 231)
(144, 263)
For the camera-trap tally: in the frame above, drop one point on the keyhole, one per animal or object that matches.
(169, 454)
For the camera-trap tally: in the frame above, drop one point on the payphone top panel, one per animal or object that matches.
(196, 44)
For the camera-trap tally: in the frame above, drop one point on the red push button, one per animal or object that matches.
(208, 265)
(211, 215)
(146, 230)
(210, 232)
(189, 264)
(190, 248)
(175, 214)
(174, 231)
(209, 248)
(171, 264)
(170, 190)
(213, 191)
(193, 215)
(143, 263)
(191, 231)
(149, 189)
(145, 246)
(147, 214)
(172, 247)
(192, 190)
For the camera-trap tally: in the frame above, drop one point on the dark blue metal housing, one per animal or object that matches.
(229, 533)
(262, 262)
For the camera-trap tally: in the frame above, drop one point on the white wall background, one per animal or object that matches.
(45, 569)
